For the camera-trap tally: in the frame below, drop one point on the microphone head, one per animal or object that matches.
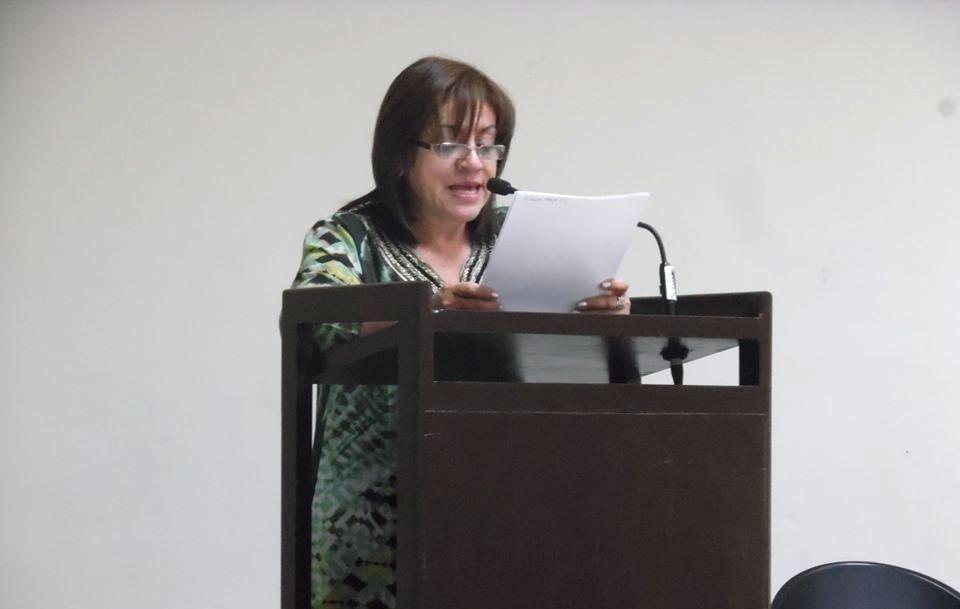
(500, 187)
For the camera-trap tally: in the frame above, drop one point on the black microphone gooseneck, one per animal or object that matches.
(675, 352)
(668, 277)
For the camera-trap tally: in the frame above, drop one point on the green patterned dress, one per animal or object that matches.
(354, 502)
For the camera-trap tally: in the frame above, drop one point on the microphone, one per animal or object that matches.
(675, 352)
(500, 187)
(668, 276)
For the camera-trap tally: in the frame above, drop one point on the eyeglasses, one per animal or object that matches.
(450, 150)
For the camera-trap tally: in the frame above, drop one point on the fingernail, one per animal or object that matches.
(494, 295)
(606, 285)
(582, 304)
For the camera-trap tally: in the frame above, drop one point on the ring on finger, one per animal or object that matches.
(621, 303)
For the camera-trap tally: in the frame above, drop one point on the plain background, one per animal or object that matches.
(160, 163)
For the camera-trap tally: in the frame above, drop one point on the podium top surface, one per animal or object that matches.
(521, 347)
(538, 358)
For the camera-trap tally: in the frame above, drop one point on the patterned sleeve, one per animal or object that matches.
(330, 257)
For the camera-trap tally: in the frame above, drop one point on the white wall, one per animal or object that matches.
(160, 162)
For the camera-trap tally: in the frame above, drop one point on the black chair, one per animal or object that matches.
(864, 585)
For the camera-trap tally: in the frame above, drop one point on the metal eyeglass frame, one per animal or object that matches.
(453, 150)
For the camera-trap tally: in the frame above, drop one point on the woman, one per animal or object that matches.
(443, 130)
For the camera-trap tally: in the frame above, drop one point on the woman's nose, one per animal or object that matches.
(472, 160)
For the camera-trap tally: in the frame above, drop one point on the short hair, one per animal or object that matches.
(411, 106)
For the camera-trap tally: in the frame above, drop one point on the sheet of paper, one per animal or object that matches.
(554, 250)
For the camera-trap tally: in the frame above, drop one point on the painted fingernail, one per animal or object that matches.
(606, 285)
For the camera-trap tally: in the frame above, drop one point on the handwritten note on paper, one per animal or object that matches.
(554, 250)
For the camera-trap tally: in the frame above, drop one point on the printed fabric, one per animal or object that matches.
(353, 512)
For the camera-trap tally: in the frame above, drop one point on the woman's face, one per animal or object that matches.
(454, 190)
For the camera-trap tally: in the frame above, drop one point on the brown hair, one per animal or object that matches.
(411, 106)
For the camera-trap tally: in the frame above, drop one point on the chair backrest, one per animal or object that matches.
(864, 585)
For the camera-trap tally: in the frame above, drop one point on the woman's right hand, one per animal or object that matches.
(466, 296)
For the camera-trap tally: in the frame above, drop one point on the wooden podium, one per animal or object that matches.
(534, 470)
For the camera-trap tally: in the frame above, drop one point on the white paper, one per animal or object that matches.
(554, 250)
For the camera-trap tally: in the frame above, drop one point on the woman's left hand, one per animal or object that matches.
(612, 302)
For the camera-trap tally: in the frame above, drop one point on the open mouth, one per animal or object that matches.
(466, 189)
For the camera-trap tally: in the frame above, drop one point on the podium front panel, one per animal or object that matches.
(602, 496)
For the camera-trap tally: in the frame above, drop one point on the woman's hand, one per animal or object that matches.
(466, 296)
(613, 302)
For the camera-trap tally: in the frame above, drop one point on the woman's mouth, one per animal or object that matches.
(466, 189)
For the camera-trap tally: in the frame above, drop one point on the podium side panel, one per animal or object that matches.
(295, 471)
